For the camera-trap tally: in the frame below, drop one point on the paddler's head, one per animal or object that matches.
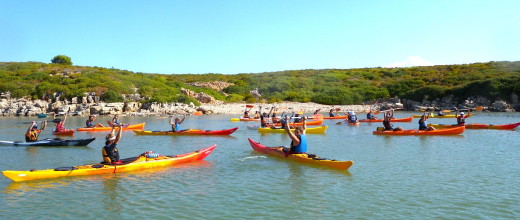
(298, 130)
(110, 138)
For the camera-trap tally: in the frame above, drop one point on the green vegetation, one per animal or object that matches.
(494, 80)
(62, 59)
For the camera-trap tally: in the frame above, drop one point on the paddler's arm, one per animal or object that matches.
(119, 133)
(304, 120)
(44, 126)
(180, 122)
(293, 137)
(29, 129)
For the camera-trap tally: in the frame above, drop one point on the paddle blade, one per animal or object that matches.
(376, 112)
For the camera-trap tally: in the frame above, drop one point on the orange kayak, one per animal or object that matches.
(480, 126)
(447, 131)
(139, 126)
(409, 119)
(336, 117)
(66, 132)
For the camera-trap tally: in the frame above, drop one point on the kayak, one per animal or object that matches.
(354, 124)
(311, 122)
(336, 117)
(409, 119)
(129, 164)
(315, 130)
(443, 116)
(42, 115)
(302, 158)
(480, 126)
(245, 119)
(50, 142)
(188, 132)
(447, 131)
(139, 126)
(66, 132)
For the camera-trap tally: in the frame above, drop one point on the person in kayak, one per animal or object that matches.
(176, 125)
(90, 122)
(33, 132)
(317, 111)
(461, 119)
(388, 126)
(352, 118)
(423, 125)
(440, 113)
(298, 138)
(109, 151)
(115, 120)
(370, 115)
(331, 113)
(60, 125)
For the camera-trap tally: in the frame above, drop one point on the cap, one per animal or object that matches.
(462, 113)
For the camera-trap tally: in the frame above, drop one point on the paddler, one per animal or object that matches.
(33, 132)
(176, 125)
(370, 115)
(115, 120)
(331, 113)
(60, 125)
(461, 119)
(298, 138)
(109, 151)
(90, 122)
(387, 121)
(423, 125)
(352, 118)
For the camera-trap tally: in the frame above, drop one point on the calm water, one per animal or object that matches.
(471, 176)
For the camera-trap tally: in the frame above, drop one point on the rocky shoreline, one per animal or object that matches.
(31, 108)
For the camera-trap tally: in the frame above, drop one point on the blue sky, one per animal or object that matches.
(237, 36)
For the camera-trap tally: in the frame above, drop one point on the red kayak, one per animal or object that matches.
(66, 132)
(409, 119)
(446, 131)
(188, 132)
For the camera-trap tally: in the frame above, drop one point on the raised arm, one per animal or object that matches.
(44, 126)
(119, 133)
(293, 137)
(184, 117)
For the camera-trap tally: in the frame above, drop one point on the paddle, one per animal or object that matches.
(57, 120)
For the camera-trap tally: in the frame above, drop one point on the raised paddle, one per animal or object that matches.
(57, 120)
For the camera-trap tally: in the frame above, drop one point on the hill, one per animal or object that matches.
(492, 80)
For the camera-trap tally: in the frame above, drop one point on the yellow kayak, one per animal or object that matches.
(130, 164)
(315, 130)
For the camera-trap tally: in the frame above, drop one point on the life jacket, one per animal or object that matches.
(369, 115)
(301, 147)
(89, 124)
(387, 125)
(177, 127)
(422, 125)
(107, 157)
(32, 136)
(352, 118)
(461, 120)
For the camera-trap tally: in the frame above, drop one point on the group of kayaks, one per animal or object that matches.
(145, 161)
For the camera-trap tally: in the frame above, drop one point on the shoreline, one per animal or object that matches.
(33, 108)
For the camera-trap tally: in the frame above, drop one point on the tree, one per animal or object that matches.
(62, 59)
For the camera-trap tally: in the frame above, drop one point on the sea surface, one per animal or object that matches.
(475, 175)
